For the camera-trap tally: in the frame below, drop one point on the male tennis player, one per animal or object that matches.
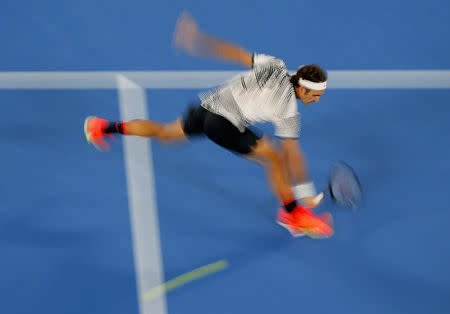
(265, 93)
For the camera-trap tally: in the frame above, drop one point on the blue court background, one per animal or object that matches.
(65, 230)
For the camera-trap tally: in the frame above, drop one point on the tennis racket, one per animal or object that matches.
(344, 186)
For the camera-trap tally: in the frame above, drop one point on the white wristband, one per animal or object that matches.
(303, 190)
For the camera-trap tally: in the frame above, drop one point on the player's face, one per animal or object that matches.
(308, 97)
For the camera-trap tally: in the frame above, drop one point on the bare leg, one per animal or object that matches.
(172, 131)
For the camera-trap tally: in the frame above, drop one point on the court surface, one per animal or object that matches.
(66, 231)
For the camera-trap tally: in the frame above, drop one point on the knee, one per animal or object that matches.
(170, 131)
(271, 156)
(266, 153)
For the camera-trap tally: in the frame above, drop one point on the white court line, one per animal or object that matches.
(400, 79)
(142, 200)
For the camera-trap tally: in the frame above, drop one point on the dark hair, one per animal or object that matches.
(310, 72)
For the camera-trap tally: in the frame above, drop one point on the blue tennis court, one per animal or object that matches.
(66, 232)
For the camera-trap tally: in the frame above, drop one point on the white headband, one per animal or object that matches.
(312, 85)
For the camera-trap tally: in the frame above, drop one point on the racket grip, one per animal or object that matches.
(319, 197)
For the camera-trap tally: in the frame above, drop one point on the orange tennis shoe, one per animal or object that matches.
(301, 221)
(94, 130)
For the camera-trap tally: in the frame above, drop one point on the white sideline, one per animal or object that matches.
(416, 79)
(142, 200)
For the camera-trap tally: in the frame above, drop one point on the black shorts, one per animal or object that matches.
(200, 121)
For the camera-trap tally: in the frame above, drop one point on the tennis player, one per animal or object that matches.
(265, 93)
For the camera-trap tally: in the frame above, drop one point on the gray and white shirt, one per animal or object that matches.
(262, 94)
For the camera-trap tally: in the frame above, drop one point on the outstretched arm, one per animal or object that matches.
(295, 167)
(187, 36)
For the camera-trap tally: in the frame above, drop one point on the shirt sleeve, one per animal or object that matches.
(267, 69)
(287, 123)
(265, 60)
(288, 127)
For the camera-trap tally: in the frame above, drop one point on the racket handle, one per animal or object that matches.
(319, 197)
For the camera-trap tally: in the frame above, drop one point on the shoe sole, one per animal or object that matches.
(312, 235)
(294, 234)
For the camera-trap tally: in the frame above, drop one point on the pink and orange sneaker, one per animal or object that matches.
(94, 130)
(301, 221)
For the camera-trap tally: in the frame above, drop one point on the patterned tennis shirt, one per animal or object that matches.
(262, 94)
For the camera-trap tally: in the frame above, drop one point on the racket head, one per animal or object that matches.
(344, 185)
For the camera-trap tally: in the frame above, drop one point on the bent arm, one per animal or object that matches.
(294, 160)
(187, 36)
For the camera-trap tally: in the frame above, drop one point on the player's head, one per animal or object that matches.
(310, 83)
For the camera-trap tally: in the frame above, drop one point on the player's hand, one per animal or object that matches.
(312, 201)
(186, 33)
